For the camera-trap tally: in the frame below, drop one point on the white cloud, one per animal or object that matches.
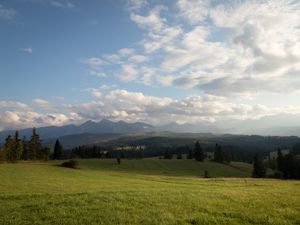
(41, 103)
(107, 86)
(135, 106)
(27, 50)
(235, 50)
(194, 11)
(19, 120)
(128, 72)
(64, 4)
(97, 73)
(152, 21)
(95, 93)
(7, 13)
(138, 58)
(112, 58)
(94, 62)
(95, 65)
(15, 105)
(126, 51)
(134, 5)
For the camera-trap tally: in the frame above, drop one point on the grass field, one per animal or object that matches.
(143, 192)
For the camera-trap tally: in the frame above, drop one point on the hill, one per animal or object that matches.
(171, 167)
(44, 193)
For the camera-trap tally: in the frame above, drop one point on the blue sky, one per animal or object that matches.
(60, 38)
(68, 61)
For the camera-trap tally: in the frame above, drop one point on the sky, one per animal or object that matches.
(154, 61)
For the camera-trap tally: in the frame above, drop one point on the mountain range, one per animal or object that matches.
(103, 127)
(92, 132)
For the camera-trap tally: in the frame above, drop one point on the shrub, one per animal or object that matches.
(276, 175)
(74, 164)
(206, 174)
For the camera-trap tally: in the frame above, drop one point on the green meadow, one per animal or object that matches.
(148, 191)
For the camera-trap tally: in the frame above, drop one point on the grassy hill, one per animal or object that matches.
(137, 192)
(171, 167)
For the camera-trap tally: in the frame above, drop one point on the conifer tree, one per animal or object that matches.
(35, 146)
(25, 153)
(219, 154)
(8, 148)
(190, 154)
(167, 155)
(57, 152)
(179, 155)
(18, 148)
(259, 170)
(280, 160)
(198, 152)
(44, 153)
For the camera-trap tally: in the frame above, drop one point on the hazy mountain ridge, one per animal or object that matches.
(92, 132)
(91, 127)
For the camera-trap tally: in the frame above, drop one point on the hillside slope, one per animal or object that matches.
(44, 193)
(170, 167)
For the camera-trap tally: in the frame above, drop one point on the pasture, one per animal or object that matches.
(148, 191)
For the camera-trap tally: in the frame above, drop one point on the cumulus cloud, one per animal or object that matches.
(135, 106)
(194, 11)
(19, 120)
(14, 105)
(96, 93)
(128, 72)
(228, 48)
(120, 104)
(152, 21)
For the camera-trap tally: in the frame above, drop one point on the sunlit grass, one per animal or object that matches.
(101, 192)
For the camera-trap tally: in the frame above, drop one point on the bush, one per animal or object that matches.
(276, 175)
(206, 174)
(74, 164)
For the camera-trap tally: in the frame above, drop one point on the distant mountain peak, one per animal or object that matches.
(106, 121)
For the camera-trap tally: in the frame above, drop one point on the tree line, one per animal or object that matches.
(285, 166)
(22, 149)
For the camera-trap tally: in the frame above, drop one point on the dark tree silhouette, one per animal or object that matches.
(35, 146)
(57, 152)
(219, 154)
(259, 170)
(179, 155)
(190, 154)
(167, 155)
(8, 148)
(119, 160)
(18, 148)
(280, 160)
(198, 152)
(13, 148)
(25, 153)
